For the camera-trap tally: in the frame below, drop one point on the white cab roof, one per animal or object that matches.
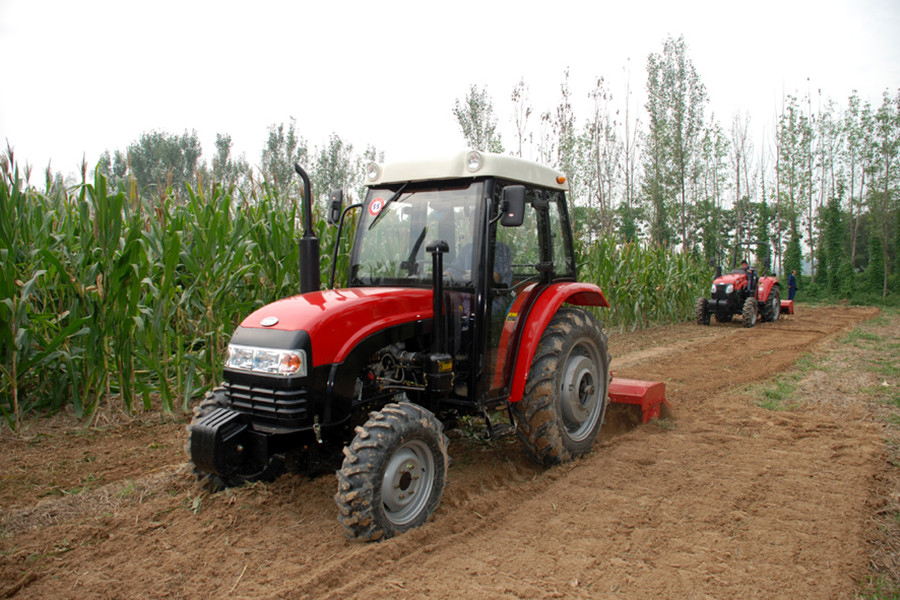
(460, 166)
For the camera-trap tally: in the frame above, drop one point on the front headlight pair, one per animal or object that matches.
(728, 289)
(269, 361)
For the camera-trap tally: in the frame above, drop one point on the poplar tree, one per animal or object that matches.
(675, 105)
(475, 115)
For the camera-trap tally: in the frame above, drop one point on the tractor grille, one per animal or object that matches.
(720, 291)
(283, 408)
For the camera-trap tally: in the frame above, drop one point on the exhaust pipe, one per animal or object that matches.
(309, 243)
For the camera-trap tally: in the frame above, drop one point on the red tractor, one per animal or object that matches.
(462, 300)
(743, 292)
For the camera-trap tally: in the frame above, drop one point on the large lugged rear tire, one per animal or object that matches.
(567, 389)
(772, 309)
(702, 311)
(393, 474)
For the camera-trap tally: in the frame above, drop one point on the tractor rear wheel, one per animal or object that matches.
(702, 311)
(566, 392)
(248, 471)
(750, 312)
(393, 474)
(772, 308)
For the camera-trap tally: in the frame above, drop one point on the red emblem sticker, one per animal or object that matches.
(375, 206)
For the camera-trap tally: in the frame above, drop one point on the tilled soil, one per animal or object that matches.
(723, 499)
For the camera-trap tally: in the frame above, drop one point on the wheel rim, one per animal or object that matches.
(407, 482)
(580, 398)
(776, 304)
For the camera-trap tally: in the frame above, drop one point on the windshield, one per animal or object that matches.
(394, 230)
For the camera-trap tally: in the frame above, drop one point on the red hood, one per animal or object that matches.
(337, 320)
(732, 278)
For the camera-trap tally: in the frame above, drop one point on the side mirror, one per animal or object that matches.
(513, 206)
(334, 209)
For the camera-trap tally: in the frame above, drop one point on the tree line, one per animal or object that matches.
(820, 195)
(160, 161)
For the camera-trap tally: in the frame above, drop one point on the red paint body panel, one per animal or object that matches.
(649, 395)
(546, 305)
(764, 286)
(337, 320)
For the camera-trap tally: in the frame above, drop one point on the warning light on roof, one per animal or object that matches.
(561, 179)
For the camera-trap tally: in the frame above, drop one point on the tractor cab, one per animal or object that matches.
(507, 237)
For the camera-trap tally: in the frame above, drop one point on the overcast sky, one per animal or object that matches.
(83, 76)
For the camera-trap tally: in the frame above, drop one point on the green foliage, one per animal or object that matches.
(675, 106)
(475, 115)
(160, 161)
(129, 300)
(644, 284)
(283, 148)
(793, 255)
(875, 269)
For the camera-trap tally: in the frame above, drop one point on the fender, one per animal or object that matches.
(765, 286)
(540, 315)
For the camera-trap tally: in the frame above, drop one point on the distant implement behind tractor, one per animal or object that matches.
(463, 300)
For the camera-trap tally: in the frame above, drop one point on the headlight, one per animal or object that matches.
(272, 361)
(474, 161)
(729, 288)
(712, 290)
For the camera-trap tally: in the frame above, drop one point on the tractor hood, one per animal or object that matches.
(732, 278)
(337, 320)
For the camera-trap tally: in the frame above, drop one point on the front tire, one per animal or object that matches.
(393, 474)
(750, 312)
(701, 311)
(566, 393)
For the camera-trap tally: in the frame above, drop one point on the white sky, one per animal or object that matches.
(83, 76)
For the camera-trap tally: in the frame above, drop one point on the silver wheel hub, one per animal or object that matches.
(407, 482)
(580, 400)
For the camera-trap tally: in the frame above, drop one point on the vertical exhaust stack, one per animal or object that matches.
(309, 243)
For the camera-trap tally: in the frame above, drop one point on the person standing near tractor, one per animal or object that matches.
(792, 285)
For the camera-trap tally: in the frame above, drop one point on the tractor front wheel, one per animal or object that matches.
(702, 311)
(565, 396)
(393, 474)
(750, 312)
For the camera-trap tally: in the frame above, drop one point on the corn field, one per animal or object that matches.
(114, 299)
(644, 284)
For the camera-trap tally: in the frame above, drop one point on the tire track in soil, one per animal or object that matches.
(734, 501)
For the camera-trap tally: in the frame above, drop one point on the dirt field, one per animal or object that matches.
(772, 479)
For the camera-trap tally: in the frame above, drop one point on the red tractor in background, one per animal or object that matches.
(462, 300)
(743, 292)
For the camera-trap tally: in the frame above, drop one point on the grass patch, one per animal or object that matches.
(879, 588)
(777, 398)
